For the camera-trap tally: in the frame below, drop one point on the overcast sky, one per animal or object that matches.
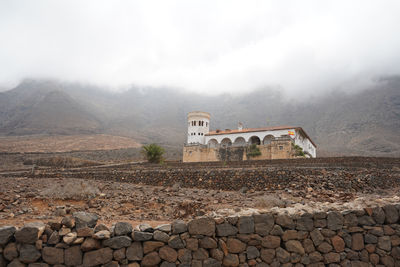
(204, 46)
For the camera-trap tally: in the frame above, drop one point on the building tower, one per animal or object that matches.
(198, 126)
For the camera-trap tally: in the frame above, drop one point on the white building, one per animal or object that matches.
(199, 134)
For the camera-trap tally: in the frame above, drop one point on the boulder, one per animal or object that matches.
(151, 259)
(141, 236)
(167, 253)
(10, 252)
(178, 227)
(246, 225)
(98, 257)
(135, 252)
(202, 226)
(335, 220)
(73, 256)
(85, 219)
(28, 253)
(53, 255)
(226, 229)
(6, 233)
(122, 228)
(30, 232)
(90, 244)
(118, 242)
(295, 246)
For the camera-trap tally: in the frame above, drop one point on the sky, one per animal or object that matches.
(206, 46)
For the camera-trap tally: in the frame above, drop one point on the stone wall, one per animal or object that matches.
(277, 149)
(369, 237)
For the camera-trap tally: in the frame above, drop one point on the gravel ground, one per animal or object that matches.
(26, 199)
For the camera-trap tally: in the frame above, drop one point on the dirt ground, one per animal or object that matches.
(26, 199)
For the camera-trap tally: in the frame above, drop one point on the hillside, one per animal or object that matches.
(363, 123)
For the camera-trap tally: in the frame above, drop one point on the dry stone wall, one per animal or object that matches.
(369, 237)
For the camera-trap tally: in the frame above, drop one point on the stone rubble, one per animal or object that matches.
(362, 237)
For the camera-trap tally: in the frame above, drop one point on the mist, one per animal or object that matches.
(301, 48)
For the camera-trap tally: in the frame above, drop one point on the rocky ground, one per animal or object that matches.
(27, 199)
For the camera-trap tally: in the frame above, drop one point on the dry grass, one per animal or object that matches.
(78, 190)
(61, 162)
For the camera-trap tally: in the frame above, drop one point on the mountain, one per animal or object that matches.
(363, 123)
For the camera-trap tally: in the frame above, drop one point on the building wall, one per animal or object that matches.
(278, 149)
(305, 144)
(196, 132)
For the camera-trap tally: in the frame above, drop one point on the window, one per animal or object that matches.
(280, 147)
(206, 124)
(194, 123)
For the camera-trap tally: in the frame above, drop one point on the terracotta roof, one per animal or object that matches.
(248, 130)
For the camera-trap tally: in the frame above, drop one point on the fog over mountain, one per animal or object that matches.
(135, 68)
(363, 123)
(305, 48)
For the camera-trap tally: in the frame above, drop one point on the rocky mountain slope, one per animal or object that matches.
(362, 123)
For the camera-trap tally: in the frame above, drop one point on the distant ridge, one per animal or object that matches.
(363, 123)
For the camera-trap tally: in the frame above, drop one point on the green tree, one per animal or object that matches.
(298, 151)
(153, 153)
(253, 151)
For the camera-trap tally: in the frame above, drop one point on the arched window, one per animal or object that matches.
(255, 140)
(226, 142)
(212, 143)
(267, 139)
(239, 142)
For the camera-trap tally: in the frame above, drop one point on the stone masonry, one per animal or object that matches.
(368, 237)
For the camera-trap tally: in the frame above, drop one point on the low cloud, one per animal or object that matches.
(303, 47)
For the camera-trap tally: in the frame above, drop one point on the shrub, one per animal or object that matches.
(298, 151)
(153, 153)
(253, 151)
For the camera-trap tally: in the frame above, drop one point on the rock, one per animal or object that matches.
(246, 225)
(30, 232)
(391, 214)
(63, 231)
(366, 220)
(16, 263)
(379, 215)
(235, 245)
(145, 227)
(210, 262)
(184, 255)
(119, 254)
(178, 227)
(100, 227)
(335, 220)
(231, 260)
(73, 256)
(39, 264)
(53, 255)
(164, 228)
(97, 257)
(282, 255)
(192, 244)
(384, 243)
(387, 261)
(276, 230)
(160, 236)
(338, 243)
(285, 221)
(176, 242)
(305, 222)
(135, 252)
(308, 245)
(28, 253)
(332, 257)
(202, 226)
(85, 232)
(290, 235)
(226, 229)
(200, 254)
(69, 238)
(252, 252)
(118, 242)
(54, 238)
(267, 255)
(167, 264)
(217, 254)
(85, 219)
(316, 237)
(167, 253)
(150, 246)
(90, 244)
(324, 247)
(141, 236)
(151, 259)
(208, 243)
(271, 241)
(294, 246)
(103, 234)
(6, 233)
(357, 241)
(122, 228)
(68, 221)
(10, 252)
